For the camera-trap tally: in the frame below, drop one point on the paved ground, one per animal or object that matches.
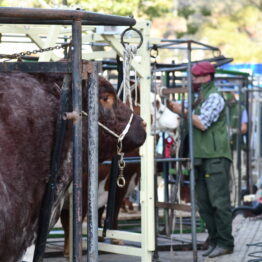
(247, 233)
(164, 256)
(55, 251)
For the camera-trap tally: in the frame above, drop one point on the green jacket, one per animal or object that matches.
(213, 142)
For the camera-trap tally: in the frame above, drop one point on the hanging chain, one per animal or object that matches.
(41, 50)
(121, 182)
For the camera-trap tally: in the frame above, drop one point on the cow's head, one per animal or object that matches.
(163, 118)
(115, 115)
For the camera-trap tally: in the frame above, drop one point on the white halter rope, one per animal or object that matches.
(119, 137)
(121, 163)
(129, 53)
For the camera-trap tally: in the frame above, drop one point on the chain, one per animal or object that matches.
(41, 50)
(121, 165)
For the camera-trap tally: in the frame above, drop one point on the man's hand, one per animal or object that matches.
(177, 108)
(174, 107)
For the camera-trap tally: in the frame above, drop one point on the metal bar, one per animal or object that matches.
(191, 153)
(111, 199)
(48, 199)
(92, 225)
(238, 148)
(77, 141)
(175, 90)
(183, 67)
(138, 159)
(37, 67)
(118, 249)
(41, 15)
(131, 236)
(190, 42)
(252, 89)
(248, 151)
(25, 21)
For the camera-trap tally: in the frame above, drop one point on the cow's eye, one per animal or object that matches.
(105, 98)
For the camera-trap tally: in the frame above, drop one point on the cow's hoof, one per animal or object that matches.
(117, 241)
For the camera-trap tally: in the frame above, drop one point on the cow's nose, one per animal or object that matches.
(144, 124)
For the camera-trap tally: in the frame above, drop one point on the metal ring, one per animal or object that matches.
(121, 164)
(137, 31)
(121, 182)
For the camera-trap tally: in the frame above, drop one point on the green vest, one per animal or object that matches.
(213, 142)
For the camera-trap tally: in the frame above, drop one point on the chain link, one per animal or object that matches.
(41, 50)
(121, 182)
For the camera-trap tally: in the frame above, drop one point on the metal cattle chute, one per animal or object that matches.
(76, 19)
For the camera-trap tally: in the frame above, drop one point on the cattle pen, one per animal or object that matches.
(76, 18)
(144, 245)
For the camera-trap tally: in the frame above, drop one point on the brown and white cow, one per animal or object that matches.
(28, 111)
(164, 120)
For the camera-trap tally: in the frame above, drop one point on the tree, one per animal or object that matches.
(237, 35)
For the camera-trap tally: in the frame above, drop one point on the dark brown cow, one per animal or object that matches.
(165, 120)
(29, 108)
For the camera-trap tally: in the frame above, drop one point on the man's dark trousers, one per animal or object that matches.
(213, 199)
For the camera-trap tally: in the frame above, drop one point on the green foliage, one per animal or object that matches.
(233, 26)
(137, 8)
(205, 11)
(186, 12)
(237, 35)
(192, 29)
(154, 9)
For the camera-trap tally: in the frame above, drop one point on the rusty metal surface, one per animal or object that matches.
(41, 15)
(37, 67)
(77, 141)
(92, 214)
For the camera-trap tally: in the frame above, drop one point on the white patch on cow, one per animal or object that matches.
(163, 119)
(102, 193)
(29, 254)
(131, 185)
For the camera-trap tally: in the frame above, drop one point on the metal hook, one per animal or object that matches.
(130, 29)
(121, 182)
(154, 48)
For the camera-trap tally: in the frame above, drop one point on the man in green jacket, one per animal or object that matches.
(212, 159)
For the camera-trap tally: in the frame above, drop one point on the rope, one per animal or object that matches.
(129, 53)
(124, 132)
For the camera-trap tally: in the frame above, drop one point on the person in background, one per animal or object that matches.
(237, 118)
(212, 160)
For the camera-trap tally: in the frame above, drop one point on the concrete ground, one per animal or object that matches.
(246, 231)
(55, 248)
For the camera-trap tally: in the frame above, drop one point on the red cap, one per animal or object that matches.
(203, 68)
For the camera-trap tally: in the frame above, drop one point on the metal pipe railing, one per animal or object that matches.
(191, 153)
(92, 211)
(60, 16)
(77, 141)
